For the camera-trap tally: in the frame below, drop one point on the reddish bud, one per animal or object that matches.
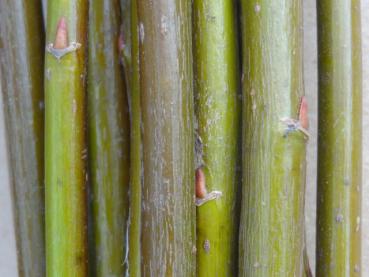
(61, 37)
(303, 113)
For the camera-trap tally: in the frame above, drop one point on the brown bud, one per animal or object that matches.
(200, 183)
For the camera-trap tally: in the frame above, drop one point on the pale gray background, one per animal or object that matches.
(7, 245)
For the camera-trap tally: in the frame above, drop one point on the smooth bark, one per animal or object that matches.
(168, 209)
(338, 251)
(108, 119)
(65, 147)
(274, 139)
(130, 52)
(21, 66)
(218, 117)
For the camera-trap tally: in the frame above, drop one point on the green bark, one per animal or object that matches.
(108, 138)
(44, 10)
(272, 218)
(21, 66)
(218, 116)
(339, 139)
(65, 148)
(168, 208)
(132, 68)
(126, 38)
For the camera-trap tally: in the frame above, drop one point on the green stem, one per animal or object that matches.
(126, 38)
(108, 138)
(44, 11)
(307, 269)
(132, 68)
(21, 65)
(272, 218)
(168, 209)
(218, 115)
(339, 139)
(65, 148)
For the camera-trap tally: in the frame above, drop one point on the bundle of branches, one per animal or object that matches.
(168, 149)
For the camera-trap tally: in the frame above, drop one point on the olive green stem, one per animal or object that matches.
(126, 37)
(44, 11)
(108, 119)
(65, 148)
(274, 139)
(131, 62)
(168, 204)
(218, 116)
(21, 62)
(338, 248)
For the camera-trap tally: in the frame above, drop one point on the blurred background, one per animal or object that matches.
(8, 263)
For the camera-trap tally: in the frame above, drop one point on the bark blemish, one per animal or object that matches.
(199, 162)
(257, 8)
(339, 218)
(48, 73)
(252, 94)
(207, 246)
(163, 25)
(79, 260)
(74, 106)
(59, 182)
(358, 224)
(121, 43)
(84, 154)
(141, 31)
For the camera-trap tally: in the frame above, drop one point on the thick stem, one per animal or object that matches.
(65, 148)
(274, 140)
(168, 208)
(339, 139)
(218, 116)
(21, 64)
(108, 119)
